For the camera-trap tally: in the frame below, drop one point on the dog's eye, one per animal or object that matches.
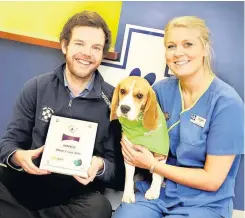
(122, 91)
(139, 96)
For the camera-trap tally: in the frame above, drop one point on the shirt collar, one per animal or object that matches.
(88, 88)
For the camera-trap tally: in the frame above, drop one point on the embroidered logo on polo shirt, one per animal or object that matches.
(46, 113)
(200, 121)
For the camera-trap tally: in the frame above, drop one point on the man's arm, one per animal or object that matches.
(114, 170)
(19, 131)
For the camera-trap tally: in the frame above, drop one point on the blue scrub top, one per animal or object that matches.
(213, 125)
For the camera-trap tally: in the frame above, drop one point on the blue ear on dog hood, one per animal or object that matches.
(150, 77)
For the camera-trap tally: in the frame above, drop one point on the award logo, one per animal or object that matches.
(72, 129)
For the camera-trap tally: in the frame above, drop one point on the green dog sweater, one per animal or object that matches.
(155, 140)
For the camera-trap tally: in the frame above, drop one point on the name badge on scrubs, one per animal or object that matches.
(198, 120)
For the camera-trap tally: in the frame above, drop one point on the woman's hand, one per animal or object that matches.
(137, 155)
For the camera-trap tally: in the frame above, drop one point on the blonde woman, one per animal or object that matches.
(206, 129)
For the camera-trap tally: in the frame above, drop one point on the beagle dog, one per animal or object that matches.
(134, 103)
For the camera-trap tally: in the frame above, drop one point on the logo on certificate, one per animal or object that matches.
(72, 129)
(78, 162)
(68, 137)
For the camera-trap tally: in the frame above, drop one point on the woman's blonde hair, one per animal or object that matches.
(199, 24)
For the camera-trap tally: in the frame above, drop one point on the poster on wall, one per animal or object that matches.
(142, 54)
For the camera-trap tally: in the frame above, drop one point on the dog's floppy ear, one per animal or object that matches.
(114, 103)
(150, 117)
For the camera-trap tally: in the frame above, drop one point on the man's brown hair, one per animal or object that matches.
(90, 19)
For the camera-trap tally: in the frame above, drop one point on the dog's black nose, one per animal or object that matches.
(125, 109)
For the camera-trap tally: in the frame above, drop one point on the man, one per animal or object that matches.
(75, 90)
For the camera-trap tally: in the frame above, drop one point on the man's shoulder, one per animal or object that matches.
(107, 88)
(43, 79)
(35, 81)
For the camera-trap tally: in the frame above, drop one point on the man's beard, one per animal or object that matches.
(75, 72)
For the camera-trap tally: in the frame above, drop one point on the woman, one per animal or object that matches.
(206, 133)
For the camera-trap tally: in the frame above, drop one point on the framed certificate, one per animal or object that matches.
(69, 146)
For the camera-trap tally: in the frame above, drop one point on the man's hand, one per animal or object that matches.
(96, 165)
(23, 158)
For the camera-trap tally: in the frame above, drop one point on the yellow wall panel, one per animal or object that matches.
(44, 20)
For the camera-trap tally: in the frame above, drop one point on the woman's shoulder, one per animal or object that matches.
(169, 84)
(224, 91)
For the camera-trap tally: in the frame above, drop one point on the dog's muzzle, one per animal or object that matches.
(125, 109)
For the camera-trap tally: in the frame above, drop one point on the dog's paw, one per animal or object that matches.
(152, 194)
(128, 197)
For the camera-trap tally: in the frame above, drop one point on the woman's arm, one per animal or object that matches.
(209, 179)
